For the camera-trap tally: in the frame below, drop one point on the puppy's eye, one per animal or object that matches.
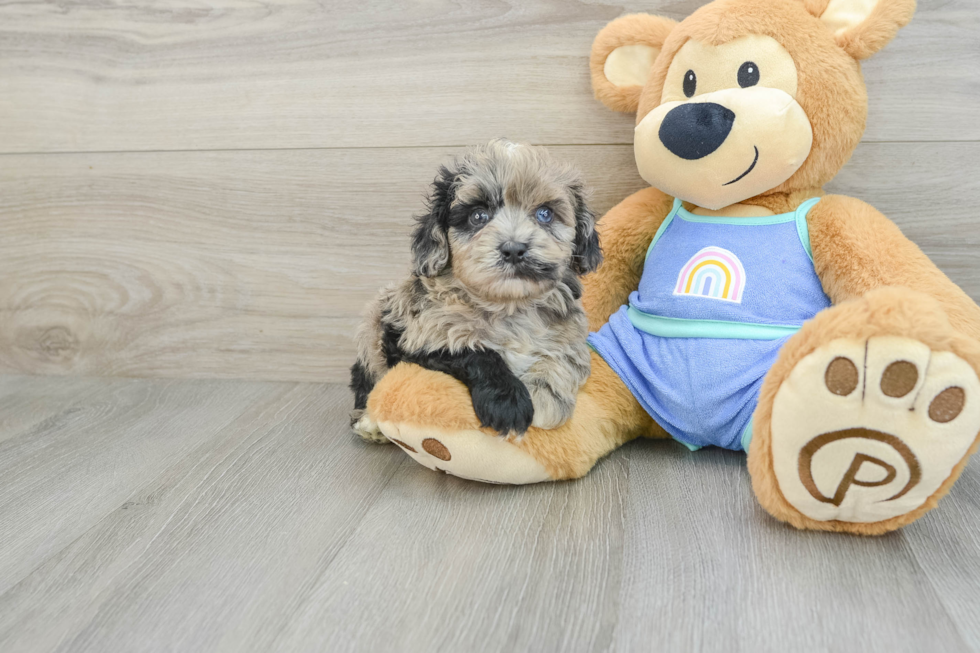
(479, 217)
(544, 214)
(748, 74)
(690, 83)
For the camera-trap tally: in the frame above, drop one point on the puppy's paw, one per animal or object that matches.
(550, 409)
(504, 407)
(548, 421)
(362, 424)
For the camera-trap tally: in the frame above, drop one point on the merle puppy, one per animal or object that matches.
(493, 299)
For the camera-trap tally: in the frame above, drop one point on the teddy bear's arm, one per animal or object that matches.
(857, 249)
(625, 232)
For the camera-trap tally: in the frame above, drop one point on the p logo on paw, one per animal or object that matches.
(886, 477)
(868, 431)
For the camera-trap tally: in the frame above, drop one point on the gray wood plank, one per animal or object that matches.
(92, 77)
(705, 568)
(279, 531)
(68, 472)
(947, 547)
(919, 186)
(257, 264)
(218, 551)
(700, 567)
(441, 564)
(32, 402)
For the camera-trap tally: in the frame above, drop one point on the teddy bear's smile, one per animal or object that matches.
(750, 168)
(705, 150)
(717, 104)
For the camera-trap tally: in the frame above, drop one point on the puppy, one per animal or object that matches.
(494, 298)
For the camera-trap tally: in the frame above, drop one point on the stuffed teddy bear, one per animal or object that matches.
(739, 305)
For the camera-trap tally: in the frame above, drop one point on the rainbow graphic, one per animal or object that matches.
(713, 272)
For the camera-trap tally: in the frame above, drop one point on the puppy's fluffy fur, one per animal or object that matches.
(494, 296)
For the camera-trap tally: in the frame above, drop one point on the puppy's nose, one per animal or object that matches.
(693, 131)
(513, 251)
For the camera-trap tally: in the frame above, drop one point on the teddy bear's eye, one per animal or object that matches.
(691, 83)
(748, 74)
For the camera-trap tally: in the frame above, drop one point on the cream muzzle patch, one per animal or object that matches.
(725, 147)
(728, 126)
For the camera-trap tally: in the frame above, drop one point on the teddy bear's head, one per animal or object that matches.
(744, 97)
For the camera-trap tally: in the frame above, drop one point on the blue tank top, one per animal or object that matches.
(743, 278)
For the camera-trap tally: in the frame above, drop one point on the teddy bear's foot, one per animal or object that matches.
(866, 432)
(430, 416)
(467, 453)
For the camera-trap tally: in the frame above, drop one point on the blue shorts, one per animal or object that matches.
(703, 391)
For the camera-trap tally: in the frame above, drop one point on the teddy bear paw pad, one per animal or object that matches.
(468, 454)
(864, 431)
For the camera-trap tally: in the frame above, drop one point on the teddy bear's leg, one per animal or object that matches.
(430, 416)
(868, 417)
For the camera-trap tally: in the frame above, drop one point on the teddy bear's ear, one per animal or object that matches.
(622, 55)
(862, 27)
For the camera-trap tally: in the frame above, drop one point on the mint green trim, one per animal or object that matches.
(801, 226)
(663, 226)
(747, 436)
(692, 447)
(798, 216)
(687, 216)
(675, 327)
(780, 218)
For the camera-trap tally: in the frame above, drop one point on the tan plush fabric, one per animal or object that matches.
(635, 29)
(881, 284)
(862, 34)
(884, 289)
(606, 416)
(830, 89)
(626, 232)
(885, 311)
(629, 65)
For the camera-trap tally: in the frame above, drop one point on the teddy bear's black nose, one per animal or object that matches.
(693, 131)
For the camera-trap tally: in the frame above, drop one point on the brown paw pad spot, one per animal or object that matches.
(947, 405)
(841, 376)
(403, 445)
(436, 448)
(899, 379)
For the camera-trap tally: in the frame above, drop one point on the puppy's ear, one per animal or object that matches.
(430, 240)
(586, 254)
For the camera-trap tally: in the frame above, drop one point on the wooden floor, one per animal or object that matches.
(156, 515)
